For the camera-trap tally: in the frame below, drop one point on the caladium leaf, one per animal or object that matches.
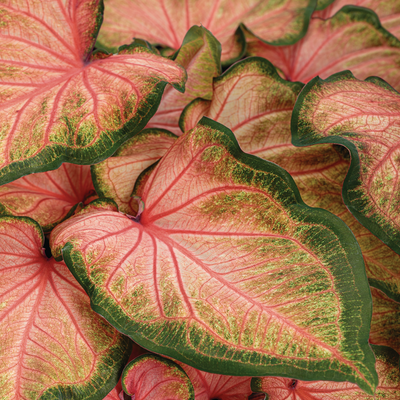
(385, 324)
(152, 377)
(364, 117)
(61, 102)
(115, 177)
(205, 386)
(388, 12)
(166, 23)
(264, 130)
(327, 49)
(48, 197)
(387, 365)
(200, 55)
(52, 344)
(224, 257)
(254, 102)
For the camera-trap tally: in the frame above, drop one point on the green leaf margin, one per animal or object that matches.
(107, 307)
(351, 182)
(51, 157)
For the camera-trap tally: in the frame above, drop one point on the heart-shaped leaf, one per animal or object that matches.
(115, 177)
(388, 12)
(364, 117)
(59, 101)
(166, 23)
(385, 324)
(224, 257)
(200, 55)
(352, 39)
(387, 365)
(48, 197)
(52, 344)
(152, 377)
(264, 130)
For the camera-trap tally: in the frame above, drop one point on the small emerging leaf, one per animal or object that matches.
(200, 55)
(115, 177)
(61, 102)
(385, 325)
(152, 377)
(387, 365)
(224, 257)
(388, 12)
(52, 344)
(352, 39)
(364, 117)
(166, 23)
(48, 197)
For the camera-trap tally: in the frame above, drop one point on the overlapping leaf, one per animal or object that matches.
(224, 257)
(48, 197)
(364, 117)
(319, 171)
(387, 365)
(115, 177)
(352, 39)
(388, 12)
(52, 344)
(158, 372)
(385, 325)
(321, 4)
(59, 101)
(152, 377)
(200, 55)
(166, 23)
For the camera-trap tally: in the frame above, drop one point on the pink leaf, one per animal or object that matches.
(60, 102)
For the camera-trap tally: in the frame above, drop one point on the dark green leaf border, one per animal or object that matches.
(242, 363)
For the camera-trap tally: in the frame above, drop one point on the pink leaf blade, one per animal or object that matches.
(325, 50)
(200, 273)
(52, 342)
(61, 103)
(361, 123)
(48, 197)
(166, 23)
(115, 177)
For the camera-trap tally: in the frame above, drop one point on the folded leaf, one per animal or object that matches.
(388, 12)
(200, 55)
(387, 365)
(52, 344)
(352, 39)
(115, 177)
(264, 130)
(48, 197)
(166, 23)
(224, 258)
(364, 117)
(152, 377)
(61, 102)
(385, 325)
